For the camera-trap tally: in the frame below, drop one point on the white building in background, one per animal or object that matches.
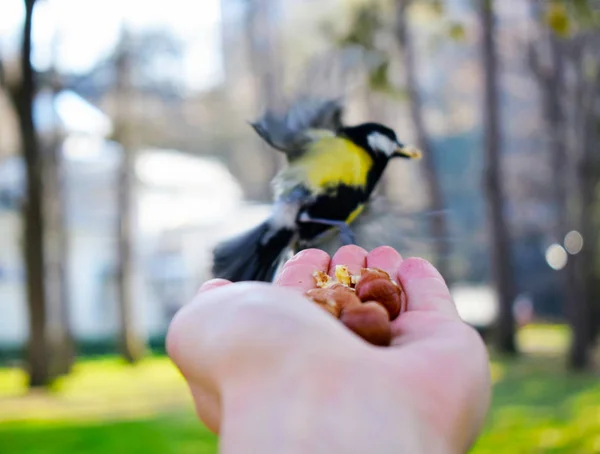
(184, 205)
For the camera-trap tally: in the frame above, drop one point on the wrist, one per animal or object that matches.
(344, 406)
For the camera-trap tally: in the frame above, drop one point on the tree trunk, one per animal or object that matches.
(59, 329)
(59, 332)
(131, 345)
(571, 126)
(550, 76)
(555, 127)
(38, 349)
(439, 229)
(266, 70)
(591, 169)
(584, 175)
(498, 226)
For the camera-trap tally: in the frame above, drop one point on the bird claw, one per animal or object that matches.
(347, 236)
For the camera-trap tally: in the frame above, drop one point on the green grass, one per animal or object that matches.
(177, 433)
(104, 406)
(539, 408)
(107, 407)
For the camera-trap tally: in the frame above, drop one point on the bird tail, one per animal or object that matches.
(252, 256)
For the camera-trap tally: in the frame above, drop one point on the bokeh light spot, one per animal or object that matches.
(556, 256)
(573, 242)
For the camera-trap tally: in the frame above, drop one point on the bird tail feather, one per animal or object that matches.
(252, 255)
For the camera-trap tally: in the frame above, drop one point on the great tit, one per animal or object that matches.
(331, 172)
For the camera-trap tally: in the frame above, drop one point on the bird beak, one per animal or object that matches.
(407, 152)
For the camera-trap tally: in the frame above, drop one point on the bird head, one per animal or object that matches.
(381, 142)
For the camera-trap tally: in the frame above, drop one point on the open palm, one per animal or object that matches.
(272, 373)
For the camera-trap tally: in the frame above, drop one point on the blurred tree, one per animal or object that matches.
(367, 24)
(365, 27)
(439, 228)
(56, 333)
(265, 64)
(546, 60)
(498, 227)
(22, 94)
(566, 62)
(584, 175)
(131, 345)
(60, 335)
(156, 79)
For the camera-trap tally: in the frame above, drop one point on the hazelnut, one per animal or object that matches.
(334, 299)
(370, 321)
(376, 285)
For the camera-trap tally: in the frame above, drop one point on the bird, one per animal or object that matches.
(331, 172)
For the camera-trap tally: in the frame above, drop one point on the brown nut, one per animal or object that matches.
(370, 321)
(334, 299)
(376, 285)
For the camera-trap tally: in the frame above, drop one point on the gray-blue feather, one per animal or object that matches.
(290, 132)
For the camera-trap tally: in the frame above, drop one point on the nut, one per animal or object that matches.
(376, 285)
(365, 303)
(370, 321)
(342, 275)
(334, 298)
(322, 279)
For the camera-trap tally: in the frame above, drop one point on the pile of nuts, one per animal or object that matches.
(366, 303)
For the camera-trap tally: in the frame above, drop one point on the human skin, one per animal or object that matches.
(271, 372)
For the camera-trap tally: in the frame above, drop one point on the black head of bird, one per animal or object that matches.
(380, 141)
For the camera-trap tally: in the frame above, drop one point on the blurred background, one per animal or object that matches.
(126, 154)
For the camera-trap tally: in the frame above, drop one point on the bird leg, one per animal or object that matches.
(346, 234)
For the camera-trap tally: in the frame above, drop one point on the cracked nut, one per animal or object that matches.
(365, 303)
(334, 299)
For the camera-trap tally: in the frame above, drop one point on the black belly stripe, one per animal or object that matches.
(335, 204)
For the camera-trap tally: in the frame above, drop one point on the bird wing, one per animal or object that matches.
(306, 121)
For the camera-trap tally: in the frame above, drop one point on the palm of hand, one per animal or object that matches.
(268, 370)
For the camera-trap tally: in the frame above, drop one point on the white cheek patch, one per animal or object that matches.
(382, 143)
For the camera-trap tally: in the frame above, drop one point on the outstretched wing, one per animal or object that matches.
(301, 124)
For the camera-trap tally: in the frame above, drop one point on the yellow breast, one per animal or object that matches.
(334, 161)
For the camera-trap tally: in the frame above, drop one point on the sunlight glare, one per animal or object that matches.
(556, 257)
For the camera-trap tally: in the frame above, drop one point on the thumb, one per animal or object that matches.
(426, 290)
(430, 311)
(241, 335)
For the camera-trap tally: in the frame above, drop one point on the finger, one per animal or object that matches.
(425, 288)
(385, 258)
(298, 272)
(211, 284)
(353, 257)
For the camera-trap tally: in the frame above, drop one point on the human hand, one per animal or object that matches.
(273, 373)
